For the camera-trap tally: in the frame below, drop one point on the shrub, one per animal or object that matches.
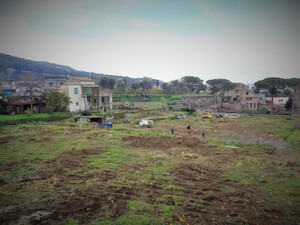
(5, 107)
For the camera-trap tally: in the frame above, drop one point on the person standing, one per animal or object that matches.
(189, 129)
(203, 134)
(172, 130)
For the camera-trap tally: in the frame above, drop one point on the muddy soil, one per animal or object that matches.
(224, 201)
(208, 198)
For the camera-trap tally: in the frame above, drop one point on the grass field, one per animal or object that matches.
(33, 117)
(247, 171)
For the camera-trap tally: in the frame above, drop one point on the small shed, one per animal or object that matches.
(89, 119)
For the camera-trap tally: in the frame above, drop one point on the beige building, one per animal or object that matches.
(281, 101)
(242, 97)
(86, 95)
(276, 104)
(53, 83)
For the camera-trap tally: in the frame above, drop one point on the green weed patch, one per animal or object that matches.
(110, 159)
(136, 206)
(148, 132)
(246, 170)
(279, 180)
(138, 213)
(172, 199)
(29, 118)
(292, 134)
(173, 188)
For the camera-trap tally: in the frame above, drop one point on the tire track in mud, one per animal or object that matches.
(88, 200)
(68, 193)
(202, 185)
(208, 199)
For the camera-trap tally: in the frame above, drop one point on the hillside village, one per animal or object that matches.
(86, 95)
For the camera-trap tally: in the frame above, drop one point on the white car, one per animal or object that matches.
(146, 123)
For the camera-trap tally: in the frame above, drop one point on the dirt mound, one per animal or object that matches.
(159, 143)
(278, 145)
(72, 159)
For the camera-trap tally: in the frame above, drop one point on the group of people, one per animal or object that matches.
(203, 131)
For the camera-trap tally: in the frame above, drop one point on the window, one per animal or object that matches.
(50, 84)
(75, 91)
(251, 105)
(77, 104)
(88, 91)
(61, 82)
(247, 93)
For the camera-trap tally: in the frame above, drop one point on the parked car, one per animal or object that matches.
(219, 115)
(206, 115)
(146, 123)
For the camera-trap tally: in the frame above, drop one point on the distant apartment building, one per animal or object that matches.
(86, 95)
(242, 97)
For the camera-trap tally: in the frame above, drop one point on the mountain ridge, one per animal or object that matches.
(13, 67)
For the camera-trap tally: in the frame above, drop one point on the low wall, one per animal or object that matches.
(130, 114)
(141, 104)
(198, 102)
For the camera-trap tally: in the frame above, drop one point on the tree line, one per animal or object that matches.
(272, 86)
(182, 86)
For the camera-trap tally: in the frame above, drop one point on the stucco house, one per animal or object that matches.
(276, 104)
(281, 101)
(84, 94)
(242, 97)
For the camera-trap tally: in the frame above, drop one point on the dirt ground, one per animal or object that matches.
(241, 204)
(208, 198)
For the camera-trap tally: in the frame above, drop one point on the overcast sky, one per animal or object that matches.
(240, 40)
